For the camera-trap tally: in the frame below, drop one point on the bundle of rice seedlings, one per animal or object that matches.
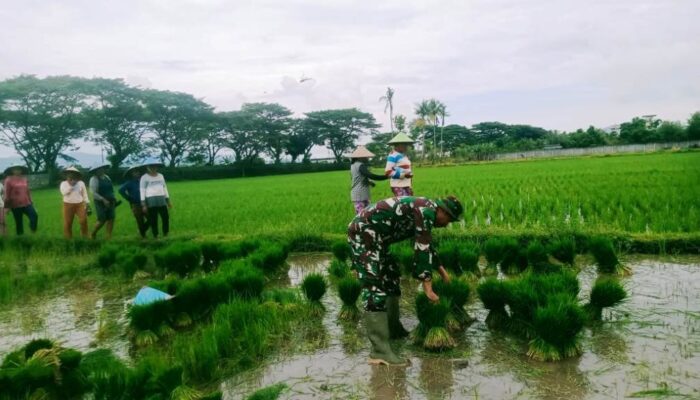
(129, 261)
(180, 258)
(604, 254)
(514, 262)
(244, 281)
(537, 256)
(563, 249)
(269, 257)
(314, 287)
(493, 250)
(468, 255)
(268, 393)
(341, 250)
(556, 327)
(182, 320)
(149, 317)
(493, 294)
(107, 256)
(449, 256)
(606, 292)
(349, 291)
(432, 330)
(338, 269)
(456, 292)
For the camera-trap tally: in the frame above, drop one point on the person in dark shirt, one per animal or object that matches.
(130, 192)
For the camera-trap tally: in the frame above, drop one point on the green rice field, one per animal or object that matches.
(637, 194)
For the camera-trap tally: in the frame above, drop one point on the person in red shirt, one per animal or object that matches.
(18, 198)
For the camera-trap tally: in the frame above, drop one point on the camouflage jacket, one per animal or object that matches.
(400, 218)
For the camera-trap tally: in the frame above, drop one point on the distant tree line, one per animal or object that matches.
(43, 119)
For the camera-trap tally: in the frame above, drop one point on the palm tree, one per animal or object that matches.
(442, 113)
(388, 98)
(422, 111)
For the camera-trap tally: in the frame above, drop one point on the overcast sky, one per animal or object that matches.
(558, 64)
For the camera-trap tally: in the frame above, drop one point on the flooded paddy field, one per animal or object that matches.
(648, 347)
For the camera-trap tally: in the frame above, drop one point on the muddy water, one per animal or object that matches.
(80, 317)
(650, 343)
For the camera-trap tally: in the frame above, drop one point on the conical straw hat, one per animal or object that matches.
(73, 170)
(401, 138)
(361, 152)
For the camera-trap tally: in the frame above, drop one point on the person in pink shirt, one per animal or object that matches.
(18, 198)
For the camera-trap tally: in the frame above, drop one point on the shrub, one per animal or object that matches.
(338, 269)
(349, 290)
(557, 326)
(432, 330)
(604, 254)
(606, 292)
(564, 250)
(341, 250)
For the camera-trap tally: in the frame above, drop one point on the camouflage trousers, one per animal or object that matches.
(378, 272)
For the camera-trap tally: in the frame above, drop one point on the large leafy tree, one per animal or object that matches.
(341, 128)
(240, 134)
(302, 138)
(178, 123)
(211, 143)
(118, 118)
(271, 121)
(693, 128)
(40, 118)
(639, 130)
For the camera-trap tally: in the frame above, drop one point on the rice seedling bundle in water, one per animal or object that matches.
(107, 256)
(469, 259)
(314, 287)
(513, 258)
(557, 326)
(268, 393)
(215, 252)
(338, 269)
(349, 291)
(432, 330)
(606, 292)
(563, 249)
(456, 292)
(130, 260)
(493, 250)
(604, 254)
(180, 258)
(341, 250)
(269, 257)
(537, 256)
(449, 256)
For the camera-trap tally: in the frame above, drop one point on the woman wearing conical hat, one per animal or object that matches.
(75, 202)
(360, 178)
(398, 166)
(18, 198)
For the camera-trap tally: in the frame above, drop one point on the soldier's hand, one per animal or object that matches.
(428, 290)
(443, 273)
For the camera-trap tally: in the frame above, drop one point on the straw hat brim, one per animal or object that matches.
(361, 152)
(95, 168)
(401, 138)
(72, 170)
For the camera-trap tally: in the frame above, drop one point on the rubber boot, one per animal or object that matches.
(396, 330)
(378, 331)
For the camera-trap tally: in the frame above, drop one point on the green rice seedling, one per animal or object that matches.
(212, 396)
(199, 358)
(563, 249)
(604, 254)
(468, 254)
(493, 294)
(349, 291)
(449, 256)
(180, 258)
(269, 257)
(338, 269)
(341, 250)
(36, 345)
(268, 393)
(145, 338)
(556, 327)
(457, 293)
(244, 280)
(606, 292)
(182, 320)
(512, 256)
(432, 331)
(493, 249)
(537, 256)
(151, 316)
(314, 287)
(108, 376)
(107, 256)
(128, 261)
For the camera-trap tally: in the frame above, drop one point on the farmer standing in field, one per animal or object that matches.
(155, 200)
(104, 199)
(18, 198)
(360, 178)
(370, 234)
(131, 192)
(75, 202)
(398, 166)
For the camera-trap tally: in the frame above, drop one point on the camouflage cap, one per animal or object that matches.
(451, 206)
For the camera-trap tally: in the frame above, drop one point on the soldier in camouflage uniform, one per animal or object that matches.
(370, 234)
